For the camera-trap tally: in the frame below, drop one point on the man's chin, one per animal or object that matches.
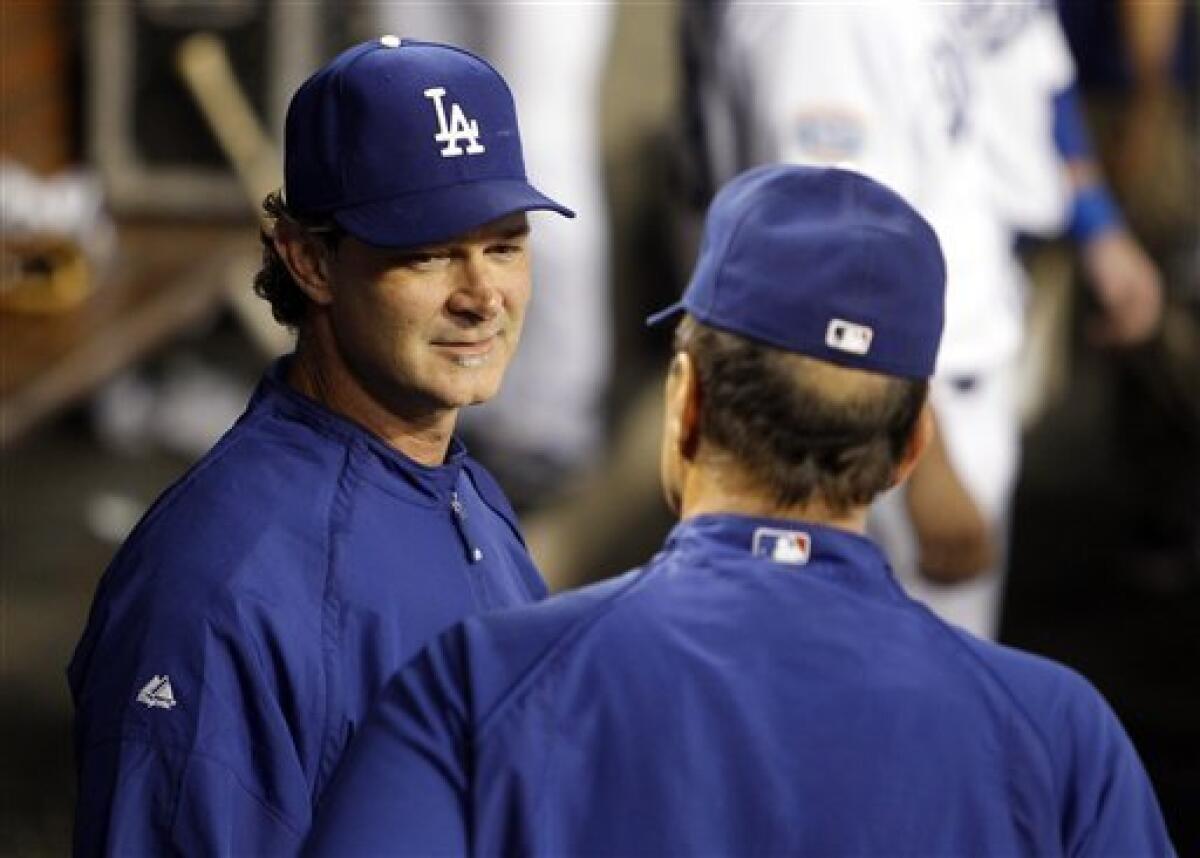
(481, 398)
(476, 395)
(484, 385)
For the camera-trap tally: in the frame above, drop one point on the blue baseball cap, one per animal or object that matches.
(406, 143)
(823, 262)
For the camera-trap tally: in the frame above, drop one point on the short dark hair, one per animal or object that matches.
(274, 281)
(768, 409)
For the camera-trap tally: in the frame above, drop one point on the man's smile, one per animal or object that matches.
(468, 347)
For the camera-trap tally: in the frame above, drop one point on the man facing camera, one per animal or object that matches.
(246, 624)
(762, 685)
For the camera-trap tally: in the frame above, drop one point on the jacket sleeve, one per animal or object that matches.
(136, 798)
(188, 740)
(402, 787)
(1110, 804)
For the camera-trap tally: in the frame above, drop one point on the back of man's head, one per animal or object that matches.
(812, 325)
(801, 428)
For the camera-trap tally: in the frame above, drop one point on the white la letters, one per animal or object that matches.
(459, 128)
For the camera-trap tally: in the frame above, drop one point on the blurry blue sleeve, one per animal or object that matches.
(1093, 211)
(402, 787)
(1070, 134)
(136, 798)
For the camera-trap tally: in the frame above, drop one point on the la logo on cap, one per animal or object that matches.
(459, 127)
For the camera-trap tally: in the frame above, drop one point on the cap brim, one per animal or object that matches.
(440, 214)
(666, 315)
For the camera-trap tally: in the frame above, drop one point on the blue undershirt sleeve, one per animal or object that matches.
(1093, 210)
(1070, 134)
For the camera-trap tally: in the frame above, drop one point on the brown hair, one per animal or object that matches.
(801, 428)
(274, 281)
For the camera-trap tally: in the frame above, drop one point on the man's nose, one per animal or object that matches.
(475, 294)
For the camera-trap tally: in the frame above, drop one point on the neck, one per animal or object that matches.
(717, 491)
(320, 373)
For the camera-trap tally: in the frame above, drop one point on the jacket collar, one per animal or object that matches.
(787, 545)
(435, 482)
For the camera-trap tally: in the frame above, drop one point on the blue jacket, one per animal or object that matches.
(760, 688)
(238, 637)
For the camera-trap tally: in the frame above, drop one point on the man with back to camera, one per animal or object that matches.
(238, 637)
(763, 685)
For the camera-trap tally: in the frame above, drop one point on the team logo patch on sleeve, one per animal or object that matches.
(157, 693)
(792, 547)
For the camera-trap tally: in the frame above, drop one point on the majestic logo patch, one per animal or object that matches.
(157, 693)
(459, 128)
(848, 337)
(793, 547)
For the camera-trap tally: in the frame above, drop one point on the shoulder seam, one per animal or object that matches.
(170, 495)
(188, 753)
(340, 499)
(1016, 702)
(531, 676)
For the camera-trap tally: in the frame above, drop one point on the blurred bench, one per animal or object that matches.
(165, 278)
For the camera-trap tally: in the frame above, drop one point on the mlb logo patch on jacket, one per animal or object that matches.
(793, 547)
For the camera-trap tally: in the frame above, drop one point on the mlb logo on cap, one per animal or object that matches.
(406, 143)
(848, 337)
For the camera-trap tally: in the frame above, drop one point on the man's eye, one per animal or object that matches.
(505, 250)
(419, 261)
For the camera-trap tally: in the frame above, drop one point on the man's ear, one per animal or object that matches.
(680, 436)
(683, 404)
(305, 258)
(918, 443)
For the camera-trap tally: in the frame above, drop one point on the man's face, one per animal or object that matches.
(433, 328)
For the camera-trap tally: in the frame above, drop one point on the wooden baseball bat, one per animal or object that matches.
(203, 62)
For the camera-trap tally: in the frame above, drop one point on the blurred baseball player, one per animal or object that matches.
(238, 637)
(763, 685)
(959, 107)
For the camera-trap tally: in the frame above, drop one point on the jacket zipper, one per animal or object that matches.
(474, 552)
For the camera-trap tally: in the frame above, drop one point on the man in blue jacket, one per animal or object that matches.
(762, 686)
(238, 637)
